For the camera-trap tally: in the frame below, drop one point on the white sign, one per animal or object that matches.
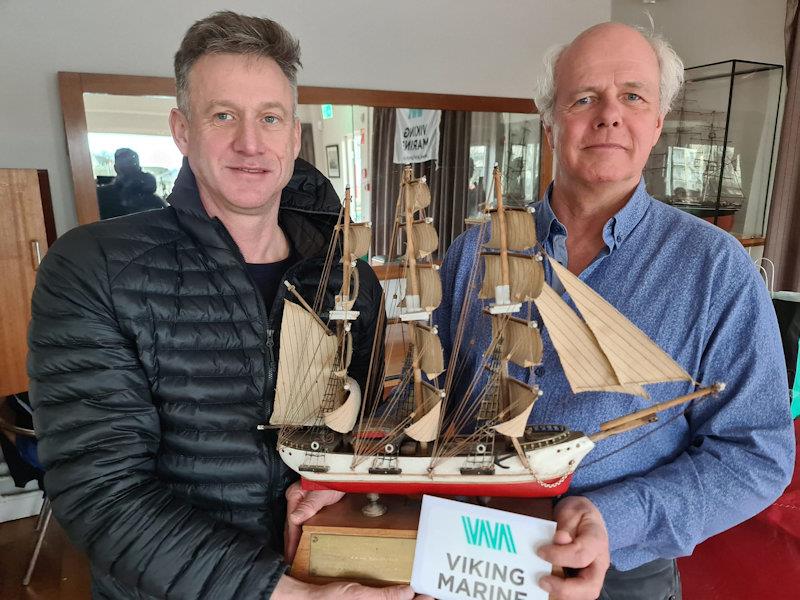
(466, 551)
(416, 137)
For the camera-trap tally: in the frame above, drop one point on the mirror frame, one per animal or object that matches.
(73, 85)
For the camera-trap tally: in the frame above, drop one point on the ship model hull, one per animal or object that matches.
(426, 437)
(549, 471)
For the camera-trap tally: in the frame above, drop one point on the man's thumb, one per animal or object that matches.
(398, 592)
(307, 508)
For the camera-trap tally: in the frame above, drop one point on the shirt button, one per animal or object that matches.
(539, 371)
(619, 238)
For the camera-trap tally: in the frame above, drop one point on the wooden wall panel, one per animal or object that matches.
(21, 229)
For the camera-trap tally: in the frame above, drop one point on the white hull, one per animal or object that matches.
(548, 464)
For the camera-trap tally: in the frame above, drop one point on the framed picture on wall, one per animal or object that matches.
(332, 157)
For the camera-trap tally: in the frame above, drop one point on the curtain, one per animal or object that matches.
(448, 179)
(307, 143)
(783, 229)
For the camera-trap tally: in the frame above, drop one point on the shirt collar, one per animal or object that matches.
(616, 230)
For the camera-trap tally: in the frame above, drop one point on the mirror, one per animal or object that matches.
(349, 135)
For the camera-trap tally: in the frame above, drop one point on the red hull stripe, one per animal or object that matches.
(528, 489)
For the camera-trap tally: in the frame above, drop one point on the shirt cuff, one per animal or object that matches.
(624, 515)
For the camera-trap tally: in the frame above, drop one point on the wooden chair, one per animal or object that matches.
(46, 511)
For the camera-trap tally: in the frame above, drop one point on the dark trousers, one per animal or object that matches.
(657, 580)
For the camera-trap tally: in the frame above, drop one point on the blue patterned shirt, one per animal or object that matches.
(692, 288)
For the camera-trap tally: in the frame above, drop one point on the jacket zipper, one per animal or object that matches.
(268, 341)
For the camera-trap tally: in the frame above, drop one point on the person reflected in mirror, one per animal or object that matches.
(131, 191)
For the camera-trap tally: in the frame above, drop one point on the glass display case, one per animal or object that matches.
(715, 155)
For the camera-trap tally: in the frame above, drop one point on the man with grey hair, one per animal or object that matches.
(647, 496)
(153, 343)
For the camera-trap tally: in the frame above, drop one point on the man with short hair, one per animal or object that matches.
(153, 342)
(131, 191)
(691, 287)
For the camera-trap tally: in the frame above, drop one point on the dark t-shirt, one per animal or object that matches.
(267, 276)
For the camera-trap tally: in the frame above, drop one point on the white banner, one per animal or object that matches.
(416, 138)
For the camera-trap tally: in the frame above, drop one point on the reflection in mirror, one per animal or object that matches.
(114, 122)
(335, 139)
(512, 141)
(134, 160)
(357, 146)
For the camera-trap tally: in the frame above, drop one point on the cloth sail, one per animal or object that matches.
(430, 286)
(417, 195)
(307, 357)
(635, 358)
(585, 364)
(521, 399)
(343, 418)
(426, 428)
(429, 347)
(526, 276)
(426, 240)
(522, 342)
(520, 229)
(360, 238)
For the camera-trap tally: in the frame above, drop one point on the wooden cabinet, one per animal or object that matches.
(23, 242)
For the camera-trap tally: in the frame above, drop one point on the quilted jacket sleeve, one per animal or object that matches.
(99, 435)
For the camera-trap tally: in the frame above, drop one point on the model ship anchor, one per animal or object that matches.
(422, 440)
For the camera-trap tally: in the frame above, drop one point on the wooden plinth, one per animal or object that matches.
(341, 543)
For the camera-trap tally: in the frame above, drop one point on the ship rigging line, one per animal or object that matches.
(650, 431)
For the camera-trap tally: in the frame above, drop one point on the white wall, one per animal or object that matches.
(710, 31)
(450, 46)
(706, 31)
(455, 46)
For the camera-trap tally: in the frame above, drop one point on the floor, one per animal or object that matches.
(758, 559)
(62, 573)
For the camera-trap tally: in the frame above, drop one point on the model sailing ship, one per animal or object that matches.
(420, 440)
(691, 156)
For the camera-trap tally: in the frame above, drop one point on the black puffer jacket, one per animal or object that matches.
(151, 367)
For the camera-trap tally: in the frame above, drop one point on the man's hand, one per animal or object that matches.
(580, 542)
(292, 589)
(301, 505)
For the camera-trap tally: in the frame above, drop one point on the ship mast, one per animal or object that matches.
(500, 318)
(512, 275)
(423, 294)
(347, 266)
(413, 280)
(341, 415)
(501, 217)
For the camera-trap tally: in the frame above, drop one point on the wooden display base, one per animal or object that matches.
(340, 543)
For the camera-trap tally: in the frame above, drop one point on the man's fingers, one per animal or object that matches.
(291, 538)
(354, 591)
(294, 495)
(577, 554)
(562, 537)
(304, 510)
(587, 584)
(311, 504)
(397, 592)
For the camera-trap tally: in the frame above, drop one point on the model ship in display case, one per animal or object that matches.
(714, 156)
(689, 165)
(423, 438)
